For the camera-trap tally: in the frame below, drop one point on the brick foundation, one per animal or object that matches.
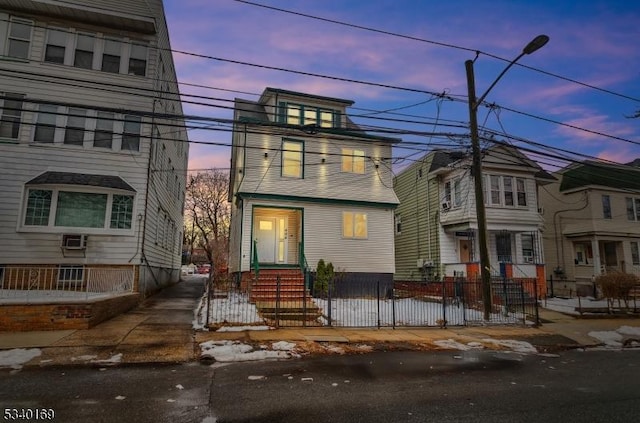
(60, 316)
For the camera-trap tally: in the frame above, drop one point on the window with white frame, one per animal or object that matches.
(354, 225)
(505, 191)
(583, 252)
(457, 192)
(46, 124)
(635, 253)
(633, 209)
(74, 131)
(54, 207)
(11, 114)
(56, 46)
(528, 250)
(111, 56)
(446, 201)
(131, 133)
(83, 55)
(292, 158)
(353, 160)
(19, 38)
(138, 60)
(103, 134)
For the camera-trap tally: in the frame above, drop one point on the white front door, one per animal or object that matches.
(266, 239)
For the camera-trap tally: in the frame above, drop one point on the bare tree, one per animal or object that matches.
(207, 211)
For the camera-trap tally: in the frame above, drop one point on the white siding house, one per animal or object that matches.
(306, 182)
(90, 176)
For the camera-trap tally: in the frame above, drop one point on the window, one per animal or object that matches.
(74, 132)
(495, 190)
(75, 209)
(606, 207)
(38, 207)
(292, 158)
(11, 115)
(584, 252)
(447, 195)
(353, 160)
(503, 247)
(633, 208)
(521, 191)
(83, 57)
(103, 135)
(508, 192)
(635, 253)
(457, 193)
(138, 60)
(121, 212)
(527, 248)
(46, 124)
(398, 224)
(19, 38)
(56, 44)
(354, 225)
(298, 114)
(111, 56)
(131, 133)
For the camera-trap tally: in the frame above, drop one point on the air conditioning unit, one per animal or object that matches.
(446, 205)
(74, 242)
(424, 263)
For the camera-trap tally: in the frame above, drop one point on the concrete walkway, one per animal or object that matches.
(160, 330)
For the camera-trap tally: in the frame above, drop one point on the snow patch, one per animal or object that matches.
(231, 351)
(515, 346)
(242, 328)
(16, 357)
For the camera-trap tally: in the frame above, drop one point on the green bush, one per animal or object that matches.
(324, 277)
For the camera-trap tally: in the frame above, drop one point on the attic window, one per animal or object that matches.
(299, 114)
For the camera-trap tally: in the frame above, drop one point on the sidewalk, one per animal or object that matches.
(161, 330)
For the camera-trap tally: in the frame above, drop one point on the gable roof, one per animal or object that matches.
(591, 173)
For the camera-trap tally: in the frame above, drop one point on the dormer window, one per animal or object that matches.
(300, 114)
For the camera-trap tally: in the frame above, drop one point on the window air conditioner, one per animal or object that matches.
(74, 242)
(446, 205)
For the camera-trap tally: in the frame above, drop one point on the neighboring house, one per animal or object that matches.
(306, 182)
(593, 221)
(94, 149)
(436, 224)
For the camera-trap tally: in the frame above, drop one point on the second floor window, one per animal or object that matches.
(19, 38)
(103, 135)
(111, 56)
(633, 208)
(46, 124)
(353, 160)
(606, 207)
(292, 158)
(505, 191)
(11, 113)
(74, 132)
(131, 133)
(83, 57)
(56, 46)
(635, 253)
(354, 225)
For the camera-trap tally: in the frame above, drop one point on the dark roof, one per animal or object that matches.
(68, 178)
(601, 174)
(306, 95)
(635, 163)
(443, 158)
(250, 110)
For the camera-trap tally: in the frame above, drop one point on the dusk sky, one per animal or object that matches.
(574, 95)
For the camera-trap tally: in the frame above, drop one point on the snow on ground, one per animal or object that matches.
(569, 305)
(242, 328)
(617, 338)
(15, 358)
(43, 296)
(230, 351)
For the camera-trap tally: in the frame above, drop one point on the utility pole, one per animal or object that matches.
(476, 168)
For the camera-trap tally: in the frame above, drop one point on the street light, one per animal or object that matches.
(476, 168)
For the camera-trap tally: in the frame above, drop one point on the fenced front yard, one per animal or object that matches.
(401, 304)
(29, 284)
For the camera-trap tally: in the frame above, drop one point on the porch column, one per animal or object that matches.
(597, 263)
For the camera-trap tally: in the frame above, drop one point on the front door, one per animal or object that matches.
(465, 251)
(610, 254)
(266, 239)
(271, 237)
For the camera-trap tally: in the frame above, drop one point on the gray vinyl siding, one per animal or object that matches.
(419, 213)
(322, 232)
(24, 160)
(321, 180)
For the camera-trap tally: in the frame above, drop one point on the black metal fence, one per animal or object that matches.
(451, 302)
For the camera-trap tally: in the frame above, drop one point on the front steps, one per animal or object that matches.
(283, 300)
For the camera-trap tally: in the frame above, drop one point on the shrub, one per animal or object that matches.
(324, 277)
(616, 286)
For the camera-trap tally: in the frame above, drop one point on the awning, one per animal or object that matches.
(69, 178)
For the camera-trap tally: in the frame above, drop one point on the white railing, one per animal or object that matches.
(51, 283)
